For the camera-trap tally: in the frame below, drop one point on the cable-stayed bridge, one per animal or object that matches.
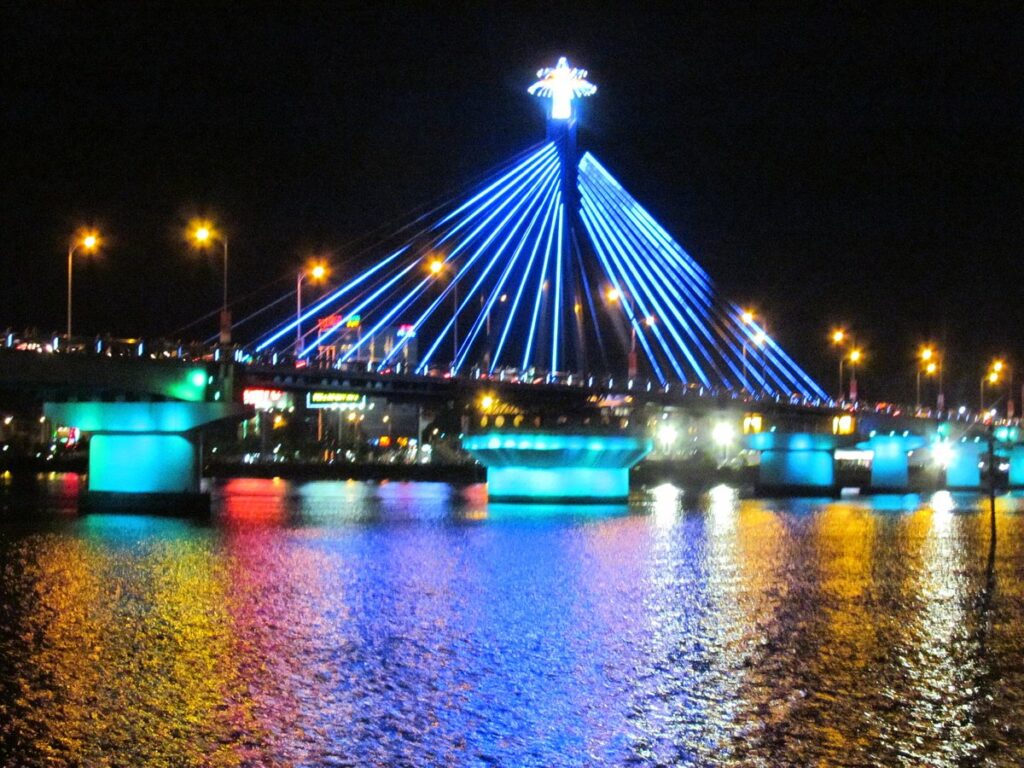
(546, 313)
(550, 267)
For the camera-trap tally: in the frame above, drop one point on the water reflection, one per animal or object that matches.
(397, 623)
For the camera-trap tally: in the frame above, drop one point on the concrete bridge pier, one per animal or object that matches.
(144, 456)
(890, 462)
(963, 472)
(533, 467)
(1016, 478)
(795, 462)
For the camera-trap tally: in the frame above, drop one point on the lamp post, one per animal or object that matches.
(203, 234)
(995, 372)
(992, 377)
(88, 241)
(838, 337)
(613, 295)
(855, 357)
(315, 272)
(926, 359)
(436, 267)
(748, 318)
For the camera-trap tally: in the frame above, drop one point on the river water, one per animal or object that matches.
(412, 624)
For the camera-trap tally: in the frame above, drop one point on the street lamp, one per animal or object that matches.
(992, 377)
(995, 373)
(760, 337)
(436, 266)
(838, 337)
(88, 241)
(202, 234)
(856, 355)
(748, 318)
(614, 295)
(315, 272)
(927, 360)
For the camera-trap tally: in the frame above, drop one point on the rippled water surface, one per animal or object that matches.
(413, 624)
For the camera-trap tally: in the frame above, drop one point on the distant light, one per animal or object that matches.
(318, 272)
(942, 502)
(838, 336)
(198, 378)
(667, 435)
(747, 317)
(562, 84)
(931, 368)
(612, 294)
(436, 265)
(486, 402)
(855, 356)
(202, 232)
(942, 454)
(760, 338)
(723, 433)
(927, 353)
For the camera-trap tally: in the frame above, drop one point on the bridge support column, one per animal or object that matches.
(795, 462)
(963, 473)
(144, 456)
(889, 462)
(557, 467)
(1016, 478)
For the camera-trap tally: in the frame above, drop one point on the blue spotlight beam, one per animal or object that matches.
(525, 202)
(559, 239)
(330, 299)
(616, 246)
(422, 284)
(481, 319)
(546, 222)
(540, 285)
(683, 300)
(598, 243)
(664, 262)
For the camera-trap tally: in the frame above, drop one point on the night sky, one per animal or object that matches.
(827, 165)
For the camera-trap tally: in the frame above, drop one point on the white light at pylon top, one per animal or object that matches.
(562, 84)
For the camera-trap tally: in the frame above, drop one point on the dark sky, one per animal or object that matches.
(828, 164)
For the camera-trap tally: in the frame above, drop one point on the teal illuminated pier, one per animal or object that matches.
(542, 466)
(143, 454)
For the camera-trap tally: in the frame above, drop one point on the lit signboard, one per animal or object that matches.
(338, 401)
(266, 399)
(843, 425)
(406, 331)
(353, 321)
(327, 323)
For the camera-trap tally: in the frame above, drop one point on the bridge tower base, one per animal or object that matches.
(557, 467)
(144, 456)
(890, 463)
(795, 463)
(963, 472)
(1016, 476)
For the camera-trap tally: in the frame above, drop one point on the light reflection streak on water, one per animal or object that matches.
(405, 624)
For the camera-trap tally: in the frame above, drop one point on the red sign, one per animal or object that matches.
(327, 323)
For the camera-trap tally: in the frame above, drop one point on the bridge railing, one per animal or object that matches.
(166, 349)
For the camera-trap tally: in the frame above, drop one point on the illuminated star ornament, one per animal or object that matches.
(562, 83)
